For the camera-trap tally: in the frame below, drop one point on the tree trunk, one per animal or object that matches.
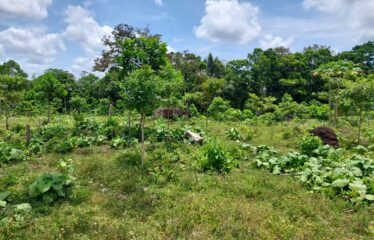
(129, 123)
(142, 137)
(359, 126)
(49, 112)
(28, 135)
(330, 103)
(110, 110)
(65, 105)
(6, 121)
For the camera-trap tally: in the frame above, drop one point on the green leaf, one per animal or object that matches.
(369, 197)
(23, 207)
(44, 186)
(4, 195)
(2, 203)
(340, 183)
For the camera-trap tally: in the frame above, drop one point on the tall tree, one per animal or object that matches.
(69, 83)
(361, 54)
(238, 83)
(13, 69)
(192, 68)
(215, 67)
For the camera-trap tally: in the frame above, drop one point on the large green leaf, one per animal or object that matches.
(4, 195)
(340, 183)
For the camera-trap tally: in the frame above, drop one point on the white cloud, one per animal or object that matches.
(229, 21)
(270, 41)
(33, 49)
(159, 2)
(32, 44)
(30, 9)
(84, 30)
(356, 14)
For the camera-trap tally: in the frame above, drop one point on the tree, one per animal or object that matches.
(47, 88)
(142, 93)
(265, 72)
(361, 54)
(360, 96)
(192, 68)
(215, 67)
(13, 69)
(69, 83)
(238, 82)
(335, 73)
(11, 93)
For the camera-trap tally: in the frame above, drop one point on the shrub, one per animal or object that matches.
(233, 114)
(18, 128)
(233, 134)
(193, 110)
(49, 187)
(9, 153)
(215, 157)
(64, 146)
(217, 108)
(309, 143)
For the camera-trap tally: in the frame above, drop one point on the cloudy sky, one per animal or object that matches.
(67, 34)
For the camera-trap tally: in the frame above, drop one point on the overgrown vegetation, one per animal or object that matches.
(87, 158)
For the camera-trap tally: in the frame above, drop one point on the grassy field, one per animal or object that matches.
(113, 198)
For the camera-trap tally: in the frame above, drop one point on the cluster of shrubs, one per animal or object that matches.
(264, 109)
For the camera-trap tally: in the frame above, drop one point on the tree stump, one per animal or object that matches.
(327, 135)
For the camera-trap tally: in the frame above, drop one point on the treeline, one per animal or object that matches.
(274, 81)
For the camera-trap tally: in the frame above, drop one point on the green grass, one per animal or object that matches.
(113, 199)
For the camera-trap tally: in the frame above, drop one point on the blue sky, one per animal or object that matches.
(66, 34)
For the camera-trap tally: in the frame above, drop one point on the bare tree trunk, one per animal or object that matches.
(142, 137)
(6, 121)
(330, 103)
(129, 123)
(49, 112)
(110, 110)
(28, 135)
(359, 126)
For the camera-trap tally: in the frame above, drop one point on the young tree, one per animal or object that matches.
(142, 93)
(360, 95)
(47, 88)
(335, 73)
(11, 93)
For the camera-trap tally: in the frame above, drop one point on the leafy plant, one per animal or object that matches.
(50, 187)
(308, 144)
(234, 134)
(215, 157)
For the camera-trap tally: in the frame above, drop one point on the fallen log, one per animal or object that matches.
(195, 137)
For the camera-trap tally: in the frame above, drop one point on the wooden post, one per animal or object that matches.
(28, 135)
(110, 110)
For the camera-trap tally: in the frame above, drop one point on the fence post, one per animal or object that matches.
(28, 135)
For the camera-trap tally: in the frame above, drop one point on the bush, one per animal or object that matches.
(233, 134)
(18, 128)
(309, 143)
(64, 146)
(217, 108)
(49, 187)
(9, 153)
(215, 157)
